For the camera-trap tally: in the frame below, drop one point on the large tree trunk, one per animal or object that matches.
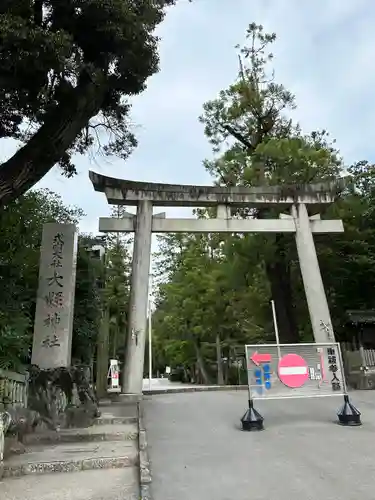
(102, 357)
(220, 374)
(278, 273)
(201, 365)
(58, 132)
(115, 337)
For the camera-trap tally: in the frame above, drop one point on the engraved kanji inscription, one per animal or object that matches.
(54, 299)
(51, 341)
(56, 279)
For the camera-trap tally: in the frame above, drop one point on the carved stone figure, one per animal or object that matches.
(46, 388)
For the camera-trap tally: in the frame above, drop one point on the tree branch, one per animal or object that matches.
(60, 129)
(239, 137)
(38, 12)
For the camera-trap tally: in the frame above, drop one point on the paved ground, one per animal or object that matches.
(198, 451)
(111, 484)
(162, 384)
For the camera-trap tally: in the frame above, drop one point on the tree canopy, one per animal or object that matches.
(21, 225)
(215, 290)
(266, 147)
(67, 71)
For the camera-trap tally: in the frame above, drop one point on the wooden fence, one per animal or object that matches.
(359, 367)
(361, 357)
(13, 389)
(13, 392)
(369, 357)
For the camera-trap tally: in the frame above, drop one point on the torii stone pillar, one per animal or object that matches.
(312, 280)
(132, 381)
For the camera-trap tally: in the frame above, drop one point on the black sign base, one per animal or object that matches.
(348, 414)
(252, 420)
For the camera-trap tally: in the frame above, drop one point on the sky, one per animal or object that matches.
(324, 54)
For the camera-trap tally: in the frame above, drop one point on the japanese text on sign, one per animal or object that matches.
(294, 370)
(54, 299)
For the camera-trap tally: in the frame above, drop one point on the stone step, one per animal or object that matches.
(72, 457)
(104, 432)
(105, 484)
(117, 414)
(110, 419)
(121, 399)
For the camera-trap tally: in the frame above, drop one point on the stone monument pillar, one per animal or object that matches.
(312, 280)
(136, 339)
(55, 300)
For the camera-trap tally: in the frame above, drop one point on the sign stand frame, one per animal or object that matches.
(252, 419)
(348, 414)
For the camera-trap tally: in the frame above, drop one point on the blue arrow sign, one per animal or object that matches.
(267, 376)
(259, 380)
(263, 378)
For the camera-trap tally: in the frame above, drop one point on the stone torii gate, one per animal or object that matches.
(303, 202)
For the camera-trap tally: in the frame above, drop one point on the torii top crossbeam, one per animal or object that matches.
(124, 192)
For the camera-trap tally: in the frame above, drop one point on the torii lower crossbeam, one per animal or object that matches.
(161, 225)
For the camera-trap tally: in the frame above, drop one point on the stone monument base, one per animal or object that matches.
(63, 396)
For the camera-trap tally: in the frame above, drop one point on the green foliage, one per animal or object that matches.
(215, 290)
(117, 285)
(347, 260)
(14, 344)
(267, 147)
(48, 48)
(87, 302)
(67, 71)
(207, 295)
(117, 292)
(21, 225)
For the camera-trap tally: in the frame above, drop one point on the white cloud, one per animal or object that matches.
(324, 54)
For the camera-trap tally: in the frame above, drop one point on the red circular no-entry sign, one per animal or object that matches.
(293, 370)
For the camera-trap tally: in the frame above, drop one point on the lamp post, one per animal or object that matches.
(276, 328)
(150, 332)
(149, 342)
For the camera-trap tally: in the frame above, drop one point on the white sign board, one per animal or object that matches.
(114, 375)
(294, 370)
